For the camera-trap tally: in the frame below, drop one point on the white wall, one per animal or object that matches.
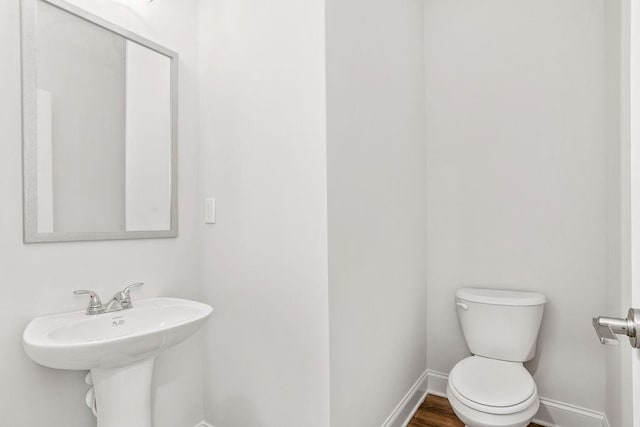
(38, 279)
(517, 181)
(264, 263)
(377, 206)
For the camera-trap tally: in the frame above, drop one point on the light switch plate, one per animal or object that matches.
(209, 210)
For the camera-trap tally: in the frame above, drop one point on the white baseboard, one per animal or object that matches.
(551, 413)
(409, 404)
(437, 383)
(554, 413)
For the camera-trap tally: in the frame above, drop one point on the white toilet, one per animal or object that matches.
(492, 388)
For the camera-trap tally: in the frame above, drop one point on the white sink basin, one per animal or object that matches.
(119, 348)
(80, 341)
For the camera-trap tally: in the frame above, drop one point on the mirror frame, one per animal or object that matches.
(30, 137)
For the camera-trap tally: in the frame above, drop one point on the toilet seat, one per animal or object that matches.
(492, 386)
(474, 418)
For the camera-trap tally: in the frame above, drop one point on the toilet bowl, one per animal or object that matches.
(492, 388)
(489, 393)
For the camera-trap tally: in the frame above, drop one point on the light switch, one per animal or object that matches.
(209, 211)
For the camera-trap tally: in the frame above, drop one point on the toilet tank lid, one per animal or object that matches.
(500, 296)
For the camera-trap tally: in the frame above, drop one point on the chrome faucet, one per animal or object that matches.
(120, 301)
(95, 305)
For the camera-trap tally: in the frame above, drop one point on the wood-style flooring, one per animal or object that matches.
(436, 412)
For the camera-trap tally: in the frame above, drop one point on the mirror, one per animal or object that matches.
(100, 128)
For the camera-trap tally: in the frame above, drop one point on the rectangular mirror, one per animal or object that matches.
(99, 128)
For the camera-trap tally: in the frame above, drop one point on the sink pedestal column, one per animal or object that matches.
(123, 395)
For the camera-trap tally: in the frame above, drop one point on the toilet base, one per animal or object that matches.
(473, 418)
(518, 425)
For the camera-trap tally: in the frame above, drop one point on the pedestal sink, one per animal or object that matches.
(119, 349)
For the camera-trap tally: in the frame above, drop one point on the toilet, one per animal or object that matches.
(492, 388)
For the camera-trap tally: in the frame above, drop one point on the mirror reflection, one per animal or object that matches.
(103, 127)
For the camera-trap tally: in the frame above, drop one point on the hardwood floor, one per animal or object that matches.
(436, 412)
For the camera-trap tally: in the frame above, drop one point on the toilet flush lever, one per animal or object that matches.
(462, 305)
(608, 327)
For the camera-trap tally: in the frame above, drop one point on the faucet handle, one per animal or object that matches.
(125, 298)
(135, 285)
(95, 305)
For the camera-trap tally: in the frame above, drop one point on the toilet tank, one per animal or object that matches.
(500, 324)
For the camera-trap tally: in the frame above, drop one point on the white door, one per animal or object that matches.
(623, 361)
(630, 358)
